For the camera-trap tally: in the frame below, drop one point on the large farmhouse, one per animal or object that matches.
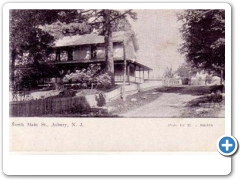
(72, 53)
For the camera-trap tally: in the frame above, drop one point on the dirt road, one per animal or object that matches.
(168, 105)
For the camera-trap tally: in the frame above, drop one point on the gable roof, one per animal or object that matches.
(87, 39)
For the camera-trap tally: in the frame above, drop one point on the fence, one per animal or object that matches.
(48, 106)
(172, 82)
(77, 104)
(131, 79)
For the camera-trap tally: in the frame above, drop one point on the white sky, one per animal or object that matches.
(159, 38)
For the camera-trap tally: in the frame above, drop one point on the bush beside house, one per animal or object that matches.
(92, 77)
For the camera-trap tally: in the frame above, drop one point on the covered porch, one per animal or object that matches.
(135, 72)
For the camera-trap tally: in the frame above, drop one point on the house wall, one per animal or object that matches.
(84, 52)
(117, 51)
(130, 51)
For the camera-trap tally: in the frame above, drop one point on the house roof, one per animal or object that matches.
(87, 39)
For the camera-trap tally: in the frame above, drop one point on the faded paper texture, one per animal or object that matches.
(48, 135)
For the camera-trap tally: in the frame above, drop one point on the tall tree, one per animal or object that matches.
(203, 32)
(168, 73)
(27, 37)
(185, 70)
(106, 21)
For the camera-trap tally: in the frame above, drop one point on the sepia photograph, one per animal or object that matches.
(134, 63)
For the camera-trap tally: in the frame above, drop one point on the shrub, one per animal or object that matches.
(64, 93)
(168, 73)
(92, 77)
(208, 79)
(104, 81)
(67, 93)
(29, 78)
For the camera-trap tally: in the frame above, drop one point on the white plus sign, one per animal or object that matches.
(227, 145)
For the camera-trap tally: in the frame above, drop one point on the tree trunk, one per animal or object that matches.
(108, 44)
(221, 69)
(221, 80)
(12, 68)
(109, 53)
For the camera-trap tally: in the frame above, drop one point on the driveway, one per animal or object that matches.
(168, 105)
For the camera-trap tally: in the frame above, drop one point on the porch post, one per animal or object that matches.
(143, 75)
(135, 71)
(70, 54)
(56, 52)
(128, 66)
(148, 75)
(139, 71)
(124, 72)
(58, 55)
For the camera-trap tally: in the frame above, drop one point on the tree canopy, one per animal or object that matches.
(186, 70)
(203, 33)
(28, 42)
(168, 73)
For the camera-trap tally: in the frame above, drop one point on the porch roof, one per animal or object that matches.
(138, 65)
(143, 66)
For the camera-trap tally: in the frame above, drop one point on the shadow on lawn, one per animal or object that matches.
(193, 90)
(209, 96)
(212, 98)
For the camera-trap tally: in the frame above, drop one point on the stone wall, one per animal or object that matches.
(96, 99)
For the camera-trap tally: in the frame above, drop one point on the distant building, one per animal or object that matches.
(203, 78)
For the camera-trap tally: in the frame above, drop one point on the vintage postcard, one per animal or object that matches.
(117, 80)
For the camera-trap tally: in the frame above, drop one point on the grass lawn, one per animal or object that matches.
(192, 90)
(133, 101)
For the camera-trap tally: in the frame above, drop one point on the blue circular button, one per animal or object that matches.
(227, 145)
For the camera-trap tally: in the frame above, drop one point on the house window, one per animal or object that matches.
(52, 57)
(64, 55)
(94, 52)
